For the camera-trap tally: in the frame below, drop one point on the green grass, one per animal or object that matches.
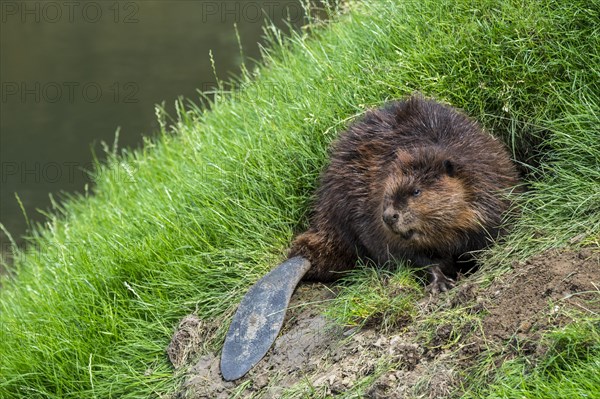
(375, 296)
(568, 370)
(204, 209)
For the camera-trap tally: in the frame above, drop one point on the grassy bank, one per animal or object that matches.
(191, 220)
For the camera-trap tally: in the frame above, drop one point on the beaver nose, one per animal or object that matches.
(390, 217)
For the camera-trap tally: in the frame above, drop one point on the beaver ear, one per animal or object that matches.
(449, 168)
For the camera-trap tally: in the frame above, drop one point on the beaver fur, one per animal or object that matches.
(415, 180)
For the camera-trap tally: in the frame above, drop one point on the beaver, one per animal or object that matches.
(415, 180)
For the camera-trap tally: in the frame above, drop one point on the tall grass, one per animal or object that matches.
(191, 220)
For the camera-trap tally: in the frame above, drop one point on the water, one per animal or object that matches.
(71, 73)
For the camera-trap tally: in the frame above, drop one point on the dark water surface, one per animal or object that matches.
(72, 72)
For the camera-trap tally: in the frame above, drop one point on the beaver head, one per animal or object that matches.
(427, 199)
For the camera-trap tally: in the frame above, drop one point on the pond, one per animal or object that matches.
(73, 72)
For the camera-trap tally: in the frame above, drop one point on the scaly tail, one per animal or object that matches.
(259, 318)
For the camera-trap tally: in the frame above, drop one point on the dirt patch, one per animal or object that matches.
(523, 303)
(517, 308)
(424, 359)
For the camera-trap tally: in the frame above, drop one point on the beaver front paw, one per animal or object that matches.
(438, 281)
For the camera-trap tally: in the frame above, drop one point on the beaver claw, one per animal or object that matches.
(259, 318)
(439, 281)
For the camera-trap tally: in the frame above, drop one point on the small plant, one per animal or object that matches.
(376, 297)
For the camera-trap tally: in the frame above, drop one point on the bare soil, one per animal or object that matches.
(424, 359)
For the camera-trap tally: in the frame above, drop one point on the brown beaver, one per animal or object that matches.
(416, 181)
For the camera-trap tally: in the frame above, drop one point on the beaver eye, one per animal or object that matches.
(416, 192)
